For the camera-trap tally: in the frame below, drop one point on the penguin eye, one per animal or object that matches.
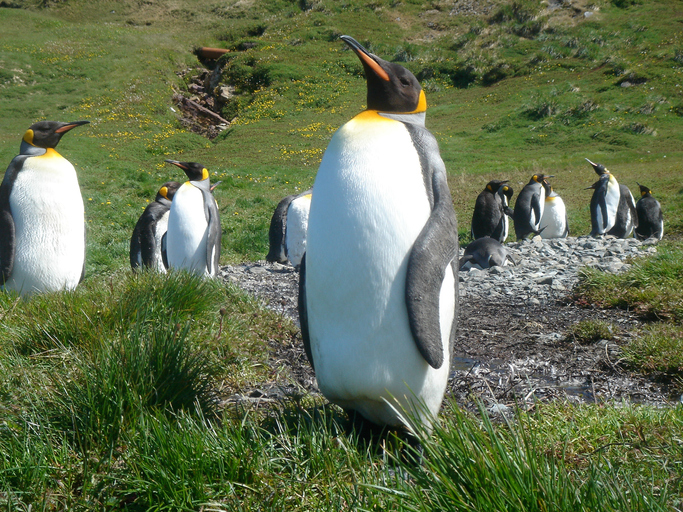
(404, 82)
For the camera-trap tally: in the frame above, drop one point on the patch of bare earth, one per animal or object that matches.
(506, 354)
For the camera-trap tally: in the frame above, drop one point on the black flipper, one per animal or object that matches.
(276, 233)
(164, 254)
(7, 229)
(303, 312)
(435, 248)
(213, 241)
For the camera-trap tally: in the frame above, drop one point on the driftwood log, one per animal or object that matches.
(193, 105)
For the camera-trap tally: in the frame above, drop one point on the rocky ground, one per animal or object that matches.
(512, 346)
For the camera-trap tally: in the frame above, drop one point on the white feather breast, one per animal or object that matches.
(47, 209)
(187, 230)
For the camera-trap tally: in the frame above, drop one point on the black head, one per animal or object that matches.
(494, 185)
(598, 168)
(508, 191)
(604, 178)
(47, 134)
(194, 171)
(391, 87)
(644, 191)
(167, 190)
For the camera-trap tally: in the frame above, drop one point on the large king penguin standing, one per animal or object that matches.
(530, 205)
(378, 290)
(604, 201)
(42, 221)
(145, 243)
(193, 238)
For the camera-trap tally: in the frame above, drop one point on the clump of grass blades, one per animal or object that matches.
(471, 465)
(651, 286)
(589, 331)
(152, 366)
(658, 349)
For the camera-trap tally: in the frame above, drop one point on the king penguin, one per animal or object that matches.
(193, 238)
(378, 289)
(42, 220)
(491, 211)
(627, 218)
(650, 218)
(605, 200)
(530, 205)
(486, 252)
(554, 219)
(288, 228)
(145, 244)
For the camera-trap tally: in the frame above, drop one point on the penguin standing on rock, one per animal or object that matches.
(145, 244)
(491, 210)
(378, 286)
(530, 205)
(554, 220)
(193, 239)
(627, 217)
(650, 218)
(605, 203)
(288, 228)
(42, 221)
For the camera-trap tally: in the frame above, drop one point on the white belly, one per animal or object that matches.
(161, 228)
(297, 227)
(47, 209)
(553, 219)
(187, 231)
(368, 207)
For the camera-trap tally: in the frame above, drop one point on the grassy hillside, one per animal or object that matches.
(514, 89)
(107, 393)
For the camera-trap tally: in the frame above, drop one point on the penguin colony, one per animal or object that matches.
(376, 245)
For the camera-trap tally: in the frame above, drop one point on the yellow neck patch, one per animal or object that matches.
(164, 192)
(205, 173)
(422, 103)
(28, 137)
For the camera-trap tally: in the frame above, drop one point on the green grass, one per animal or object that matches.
(107, 393)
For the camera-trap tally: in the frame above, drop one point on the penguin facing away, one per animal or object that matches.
(193, 239)
(650, 218)
(530, 205)
(488, 218)
(378, 287)
(145, 243)
(486, 252)
(288, 228)
(626, 218)
(604, 201)
(554, 220)
(42, 220)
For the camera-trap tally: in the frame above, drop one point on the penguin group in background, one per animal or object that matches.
(554, 219)
(530, 205)
(650, 218)
(378, 285)
(145, 244)
(42, 220)
(193, 238)
(612, 206)
(288, 228)
(486, 252)
(491, 211)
